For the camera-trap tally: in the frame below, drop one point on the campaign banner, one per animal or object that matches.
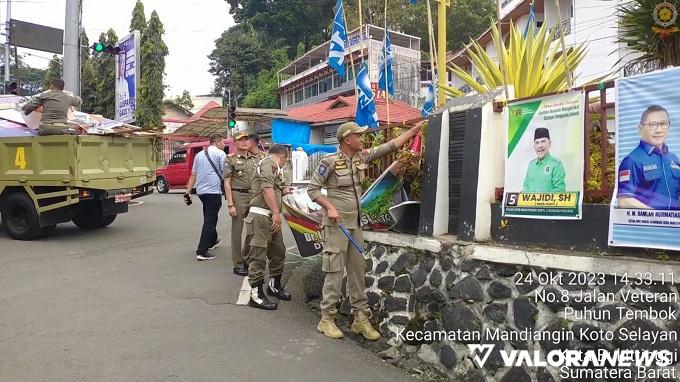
(645, 207)
(304, 217)
(127, 77)
(544, 158)
(376, 202)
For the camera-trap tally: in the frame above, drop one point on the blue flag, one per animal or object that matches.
(532, 19)
(430, 101)
(336, 53)
(366, 114)
(385, 77)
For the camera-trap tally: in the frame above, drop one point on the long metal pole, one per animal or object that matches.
(72, 46)
(387, 84)
(441, 52)
(7, 32)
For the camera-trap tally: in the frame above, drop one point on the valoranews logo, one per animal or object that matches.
(597, 361)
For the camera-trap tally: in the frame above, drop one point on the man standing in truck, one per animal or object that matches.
(55, 103)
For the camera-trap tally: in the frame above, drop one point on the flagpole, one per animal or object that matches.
(361, 32)
(351, 60)
(387, 84)
(501, 51)
(430, 30)
(567, 73)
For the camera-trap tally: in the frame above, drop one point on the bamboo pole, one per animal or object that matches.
(351, 60)
(501, 51)
(441, 56)
(567, 72)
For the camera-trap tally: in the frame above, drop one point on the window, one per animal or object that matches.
(299, 96)
(179, 157)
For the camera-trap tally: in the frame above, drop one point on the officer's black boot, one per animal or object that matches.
(275, 289)
(258, 298)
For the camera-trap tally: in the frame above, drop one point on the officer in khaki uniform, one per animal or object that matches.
(341, 175)
(238, 171)
(56, 103)
(263, 224)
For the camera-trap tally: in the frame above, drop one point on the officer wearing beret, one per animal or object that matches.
(263, 224)
(545, 173)
(341, 175)
(649, 177)
(238, 170)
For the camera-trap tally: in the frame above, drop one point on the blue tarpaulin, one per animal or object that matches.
(297, 134)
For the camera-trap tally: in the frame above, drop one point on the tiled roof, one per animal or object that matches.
(208, 106)
(343, 108)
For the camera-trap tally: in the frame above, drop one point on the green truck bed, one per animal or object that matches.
(88, 179)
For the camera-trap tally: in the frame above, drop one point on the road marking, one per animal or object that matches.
(135, 203)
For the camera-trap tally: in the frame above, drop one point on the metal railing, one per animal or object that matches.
(566, 26)
(635, 68)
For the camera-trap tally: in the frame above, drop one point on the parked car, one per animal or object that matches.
(178, 170)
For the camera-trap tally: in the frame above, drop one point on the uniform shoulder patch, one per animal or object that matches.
(322, 169)
(624, 176)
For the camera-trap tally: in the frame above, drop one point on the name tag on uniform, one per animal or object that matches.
(340, 164)
(624, 176)
(650, 167)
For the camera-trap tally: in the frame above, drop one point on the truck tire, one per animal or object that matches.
(90, 217)
(19, 217)
(162, 185)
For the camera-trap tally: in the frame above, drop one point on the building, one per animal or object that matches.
(309, 79)
(325, 117)
(594, 22)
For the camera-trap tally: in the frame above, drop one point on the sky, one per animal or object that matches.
(191, 28)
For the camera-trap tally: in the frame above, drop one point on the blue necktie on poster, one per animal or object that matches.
(366, 114)
(336, 53)
(428, 106)
(532, 19)
(386, 77)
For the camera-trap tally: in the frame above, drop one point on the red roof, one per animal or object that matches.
(343, 108)
(208, 106)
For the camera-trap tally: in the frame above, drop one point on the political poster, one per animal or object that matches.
(544, 158)
(304, 217)
(127, 77)
(645, 208)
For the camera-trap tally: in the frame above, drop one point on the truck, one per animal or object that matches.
(176, 173)
(87, 179)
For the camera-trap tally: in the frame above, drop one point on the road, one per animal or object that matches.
(131, 303)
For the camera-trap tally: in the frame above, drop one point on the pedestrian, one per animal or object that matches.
(341, 174)
(238, 171)
(264, 222)
(55, 103)
(207, 175)
(649, 177)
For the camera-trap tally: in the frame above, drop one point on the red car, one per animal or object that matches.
(176, 174)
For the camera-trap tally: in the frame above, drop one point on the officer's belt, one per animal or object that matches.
(260, 211)
(240, 190)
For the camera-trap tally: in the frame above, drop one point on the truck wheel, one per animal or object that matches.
(20, 218)
(162, 185)
(107, 220)
(89, 216)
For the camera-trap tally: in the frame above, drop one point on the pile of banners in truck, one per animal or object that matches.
(14, 123)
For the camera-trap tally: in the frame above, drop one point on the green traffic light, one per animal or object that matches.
(232, 124)
(99, 47)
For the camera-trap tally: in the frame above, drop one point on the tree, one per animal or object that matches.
(88, 82)
(54, 71)
(287, 23)
(149, 112)
(300, 50)
(465, 19)
(263, 92)
(184, 101)
(239, 56)
(105, 74)
(640, 32)
(138, 22)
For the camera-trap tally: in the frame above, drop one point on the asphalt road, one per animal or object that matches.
(131, 303)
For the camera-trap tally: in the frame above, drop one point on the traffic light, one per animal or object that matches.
(232, 117)
(108, 49)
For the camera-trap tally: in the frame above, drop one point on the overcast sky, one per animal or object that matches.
(191, 27)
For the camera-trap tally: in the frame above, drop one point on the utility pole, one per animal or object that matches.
(72, 46)
(441, 52)
(7, 33)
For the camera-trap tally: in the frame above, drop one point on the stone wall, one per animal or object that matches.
(422, 291)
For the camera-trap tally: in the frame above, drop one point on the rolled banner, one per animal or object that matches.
(351, 239)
